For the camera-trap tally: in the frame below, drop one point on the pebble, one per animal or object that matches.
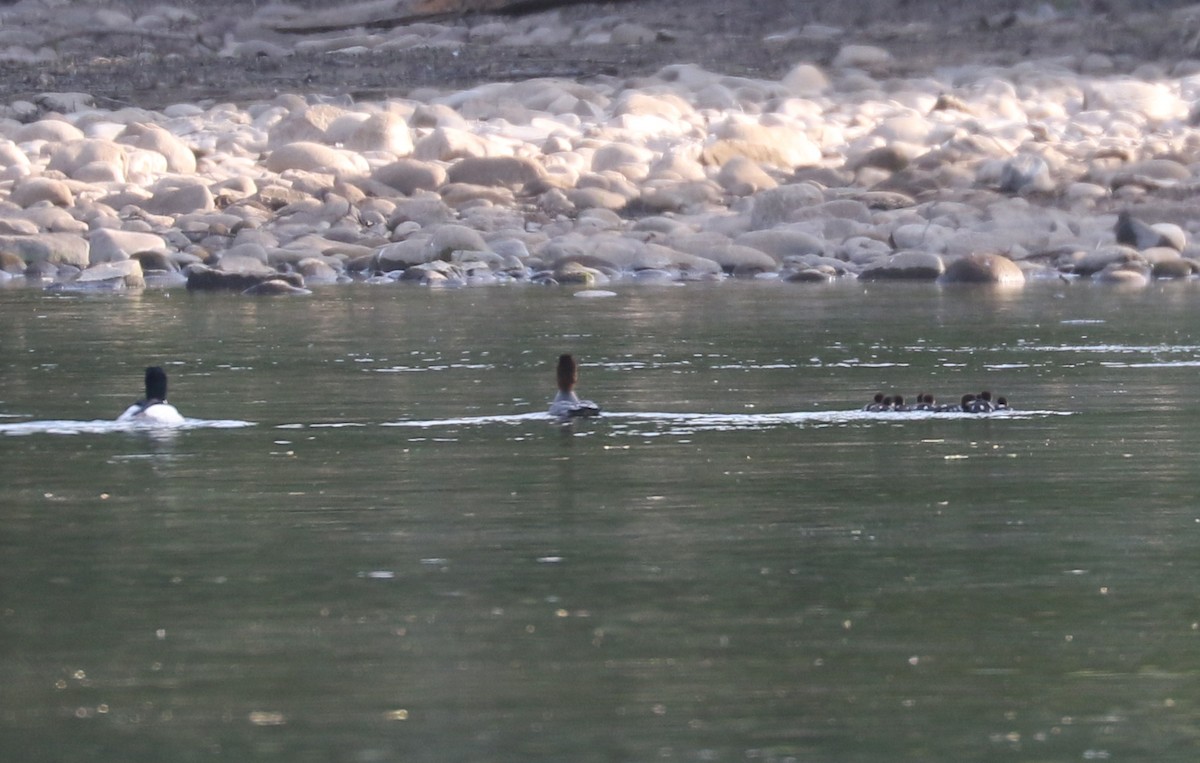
(988, 175)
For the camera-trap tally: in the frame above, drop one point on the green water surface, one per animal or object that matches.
(481, 584)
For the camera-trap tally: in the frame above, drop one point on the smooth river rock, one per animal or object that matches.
(991, 269)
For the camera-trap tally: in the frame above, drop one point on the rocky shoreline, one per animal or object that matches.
(1081, 165)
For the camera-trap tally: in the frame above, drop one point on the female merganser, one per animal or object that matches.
(925, 402)
(154, 408)
(567, 404)
(898, 404)
(1002, 404)
(876, 404)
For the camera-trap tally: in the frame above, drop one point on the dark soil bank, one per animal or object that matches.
(154, 70)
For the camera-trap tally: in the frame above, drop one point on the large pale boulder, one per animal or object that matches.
(70, 158)
(782, 242)
(384, 132)
(306, 124)
(410, 175)
(313, 157)
(317, 270)
(628, 159)
(403, 254)
(506, 171)
(30, 191)
(452, 238)
(1155, 100)
(53, 131)
(740, 176)
(678, 197)
(869, 57)
(179, 197)
(739, 260)
(178, 155)
(52, 248)
(125, 274)
(776, 205)
(596, 198)
(780, 145)
(109, 245)
(805, 80)
(927, 237)
(13, 158)
(993, 269)
(446, 144)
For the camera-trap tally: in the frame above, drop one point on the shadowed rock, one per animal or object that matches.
(204, 278)
(1128, 275)
(1131, 231)
(11, 263)
(1088, 263)
(1173, 269)
(823, 274)
(275, 287)
(385, 15)
(908, 266)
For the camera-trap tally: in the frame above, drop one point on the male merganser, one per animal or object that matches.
(1002, 404)
(567, 404)
(154, 408)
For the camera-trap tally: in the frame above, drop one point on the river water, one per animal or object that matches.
(370, 544)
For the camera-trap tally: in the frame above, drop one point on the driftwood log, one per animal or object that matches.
(387, 14)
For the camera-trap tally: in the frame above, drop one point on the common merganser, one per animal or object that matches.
(876, 404)
(154, 408)
(567, 404)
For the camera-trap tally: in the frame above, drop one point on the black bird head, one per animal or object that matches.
(156, 383)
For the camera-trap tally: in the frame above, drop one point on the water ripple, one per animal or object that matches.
(106, 426)
(626, 423)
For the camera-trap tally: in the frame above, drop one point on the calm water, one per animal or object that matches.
(401, 560)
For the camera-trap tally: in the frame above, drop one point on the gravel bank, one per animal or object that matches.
(273, 150)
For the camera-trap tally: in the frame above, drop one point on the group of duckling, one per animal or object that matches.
(969, 403)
